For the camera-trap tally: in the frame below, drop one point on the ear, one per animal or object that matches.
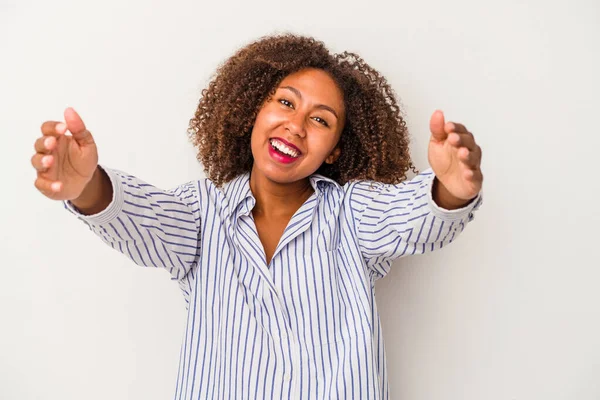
(335, 154)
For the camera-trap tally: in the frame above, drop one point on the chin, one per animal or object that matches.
(279, 175)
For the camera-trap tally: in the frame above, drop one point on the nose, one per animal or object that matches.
(295, 124)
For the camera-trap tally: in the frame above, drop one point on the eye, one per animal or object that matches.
(321, 121)
(286, 103)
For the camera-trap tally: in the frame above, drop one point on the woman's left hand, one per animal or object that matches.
(456, 161)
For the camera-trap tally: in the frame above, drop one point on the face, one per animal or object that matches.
(298, 129)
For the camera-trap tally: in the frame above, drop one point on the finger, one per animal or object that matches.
(462, 140)
(77, 127)
(47, 186)
(474, 176)
(455, 127)
(41, 162)
(471, 158)
(53, 128)
(45, 144)
(476, 156)
(436, 126)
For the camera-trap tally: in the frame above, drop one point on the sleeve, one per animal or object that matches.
(393, 221)
(153, 227)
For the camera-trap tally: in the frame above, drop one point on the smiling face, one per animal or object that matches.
(298, 128)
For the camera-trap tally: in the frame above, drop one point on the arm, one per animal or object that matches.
(427, 212)
(150, 226)
(393, 221)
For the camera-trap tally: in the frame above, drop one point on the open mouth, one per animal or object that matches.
(282, 151)
(283, 148)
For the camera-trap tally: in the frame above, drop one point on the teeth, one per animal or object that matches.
(284, 148)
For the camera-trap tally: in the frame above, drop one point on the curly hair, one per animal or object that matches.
(374, 142)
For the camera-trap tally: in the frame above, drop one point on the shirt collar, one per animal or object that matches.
(242, 201)
(320, 182)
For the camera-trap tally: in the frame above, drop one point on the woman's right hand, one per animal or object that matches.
(65, 164)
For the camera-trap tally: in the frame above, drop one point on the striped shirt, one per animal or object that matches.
(306, 325)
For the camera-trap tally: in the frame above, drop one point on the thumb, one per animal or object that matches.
(77, 127)
(436, 126)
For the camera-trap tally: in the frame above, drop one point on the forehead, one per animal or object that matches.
(317, 86)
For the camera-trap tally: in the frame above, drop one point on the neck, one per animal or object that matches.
(278, 199)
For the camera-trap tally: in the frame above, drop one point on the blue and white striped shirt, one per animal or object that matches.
(306, 326)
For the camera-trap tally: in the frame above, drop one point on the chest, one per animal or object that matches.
(270, 231)
(312, 287)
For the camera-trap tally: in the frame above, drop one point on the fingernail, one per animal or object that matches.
(48, 142)
(61, 127)
(45, 161)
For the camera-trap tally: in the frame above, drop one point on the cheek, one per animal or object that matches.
(320, 146)
(258, 129)
(255, 140)
(268, 116)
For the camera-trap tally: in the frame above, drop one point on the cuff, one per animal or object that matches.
(112, 210)
(456, 214)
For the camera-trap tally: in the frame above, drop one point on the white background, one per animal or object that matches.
(510, 311)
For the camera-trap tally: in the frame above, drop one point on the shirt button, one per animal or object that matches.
(283, 335)
(287, 377)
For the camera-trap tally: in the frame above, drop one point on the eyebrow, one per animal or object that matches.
(321, 106)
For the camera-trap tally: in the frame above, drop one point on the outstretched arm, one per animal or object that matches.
(423, 214)
(151, 226)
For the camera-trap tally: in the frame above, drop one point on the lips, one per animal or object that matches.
(280, 156)
(287, 144)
